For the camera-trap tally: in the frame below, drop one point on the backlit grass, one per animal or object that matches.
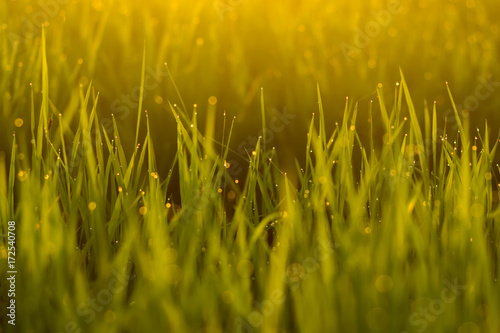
(157, 184)
(364, 241)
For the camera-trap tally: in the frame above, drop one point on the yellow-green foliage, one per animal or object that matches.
(390, 229)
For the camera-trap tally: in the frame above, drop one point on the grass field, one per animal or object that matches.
(196, 166)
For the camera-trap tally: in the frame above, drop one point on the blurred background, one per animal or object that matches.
(223, 52)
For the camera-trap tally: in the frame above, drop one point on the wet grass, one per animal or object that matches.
(377, 215)
(401, 238)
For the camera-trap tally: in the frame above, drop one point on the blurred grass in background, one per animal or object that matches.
(178, 219)
(231, 49)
